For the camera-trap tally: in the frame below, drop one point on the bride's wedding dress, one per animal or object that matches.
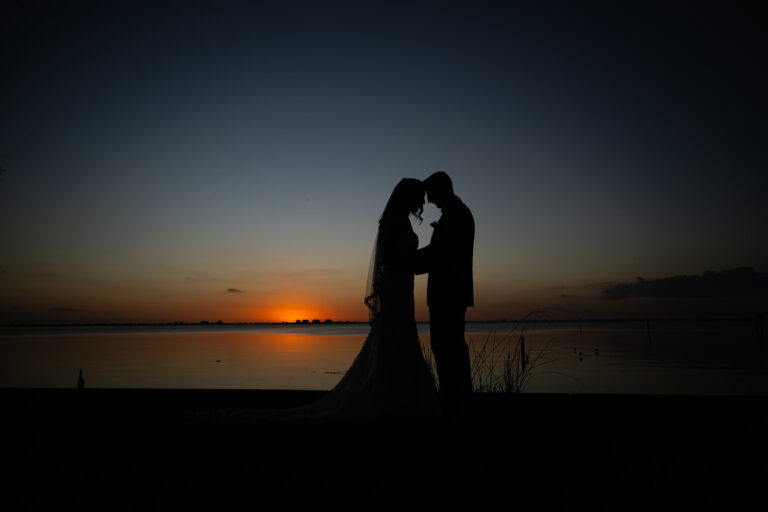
(389, 377)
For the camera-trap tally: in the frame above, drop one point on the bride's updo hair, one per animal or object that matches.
(407, 196)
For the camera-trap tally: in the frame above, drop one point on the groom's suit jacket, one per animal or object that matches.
(448, 257)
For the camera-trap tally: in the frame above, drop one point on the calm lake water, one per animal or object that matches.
(603, 357)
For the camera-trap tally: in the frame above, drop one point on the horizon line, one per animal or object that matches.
(337, 322)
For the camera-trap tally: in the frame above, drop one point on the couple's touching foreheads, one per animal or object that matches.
(390, 376)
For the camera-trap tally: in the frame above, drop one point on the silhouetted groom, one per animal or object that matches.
(448, 260)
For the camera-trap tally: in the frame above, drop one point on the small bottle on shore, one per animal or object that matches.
(80, 380)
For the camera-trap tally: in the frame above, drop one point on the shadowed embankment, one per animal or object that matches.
(124, 449)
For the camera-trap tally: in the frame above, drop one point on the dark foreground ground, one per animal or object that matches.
(140, 449)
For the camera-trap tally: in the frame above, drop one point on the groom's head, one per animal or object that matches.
(439, 188)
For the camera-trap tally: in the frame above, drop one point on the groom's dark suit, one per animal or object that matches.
(448, 260)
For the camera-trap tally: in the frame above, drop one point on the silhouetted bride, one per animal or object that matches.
(389, 377)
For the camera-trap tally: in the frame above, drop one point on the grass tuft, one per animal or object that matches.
(500, 364)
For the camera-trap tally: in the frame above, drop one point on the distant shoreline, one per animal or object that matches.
(359, 322)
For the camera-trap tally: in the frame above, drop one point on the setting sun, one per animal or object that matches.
(289, 314)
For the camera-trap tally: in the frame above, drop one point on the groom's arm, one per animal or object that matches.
(426, 256)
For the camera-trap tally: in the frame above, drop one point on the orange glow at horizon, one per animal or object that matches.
(291, 313)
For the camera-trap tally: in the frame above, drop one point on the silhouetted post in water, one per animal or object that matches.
(522, 353)
(80, 380)
(759, 330)
(648, 327)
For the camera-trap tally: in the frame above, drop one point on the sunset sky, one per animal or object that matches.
(185, 161)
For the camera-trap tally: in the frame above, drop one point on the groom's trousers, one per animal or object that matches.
(446, 327)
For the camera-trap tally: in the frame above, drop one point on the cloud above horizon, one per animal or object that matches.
(234, 290)
(737, 282)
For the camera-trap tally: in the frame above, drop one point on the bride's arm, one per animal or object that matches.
(405, 253)
(396, 249)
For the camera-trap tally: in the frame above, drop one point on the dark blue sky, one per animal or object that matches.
(169, 151)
